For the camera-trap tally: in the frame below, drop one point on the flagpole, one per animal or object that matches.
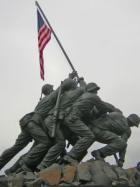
(70, 63)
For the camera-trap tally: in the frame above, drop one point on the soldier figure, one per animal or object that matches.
(42, 110)
(33, 129)
(67, 99)
(75, 121)
(83, 118)
(114, 130)
(27, 134)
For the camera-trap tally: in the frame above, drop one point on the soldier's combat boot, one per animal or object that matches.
(9, 172)
(69, 160)
(41, 167)
(12, 169)
(97, 155)
(23, 167)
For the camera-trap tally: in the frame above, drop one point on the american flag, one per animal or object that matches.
(44, 35)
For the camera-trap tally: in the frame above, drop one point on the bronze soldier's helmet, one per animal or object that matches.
(69, 84)
(134, 119)
(92, 86)
(47, 89)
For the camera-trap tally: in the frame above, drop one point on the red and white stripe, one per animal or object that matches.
(44, 36)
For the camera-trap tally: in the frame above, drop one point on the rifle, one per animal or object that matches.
(56, 111)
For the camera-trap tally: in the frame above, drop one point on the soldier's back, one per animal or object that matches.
(69, 97)
(114, 122)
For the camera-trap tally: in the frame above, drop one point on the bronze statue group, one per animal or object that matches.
(73, 113)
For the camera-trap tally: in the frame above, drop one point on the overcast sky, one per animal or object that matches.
(102, 39)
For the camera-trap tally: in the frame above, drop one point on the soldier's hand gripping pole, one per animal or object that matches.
(56, 111)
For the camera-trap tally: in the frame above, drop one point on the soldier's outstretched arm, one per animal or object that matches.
(122, 153)
(102, 106)
(122, 157)
(112, 108)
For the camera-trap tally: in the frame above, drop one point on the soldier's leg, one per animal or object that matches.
(113, 141)
(77, 126)
(43, 143)
(22, 140)
(14, 167)
(17, 164)
(69, 135)
(72, 139)
(55, 151)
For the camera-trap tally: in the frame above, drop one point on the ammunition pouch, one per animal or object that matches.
(25, 119)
